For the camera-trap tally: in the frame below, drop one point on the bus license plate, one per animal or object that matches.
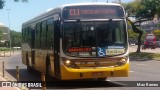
(97, 73)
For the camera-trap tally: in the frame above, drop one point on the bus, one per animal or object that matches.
(78, 41)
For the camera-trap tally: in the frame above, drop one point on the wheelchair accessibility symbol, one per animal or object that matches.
(101, 52)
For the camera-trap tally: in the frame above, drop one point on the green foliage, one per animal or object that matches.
(132, 7)
(2, 2)
(158, 25)
(157, 33)
(1, 33)
(16, 38)
(4, 49)
(132, 34)
(143, 9)
(150, 9)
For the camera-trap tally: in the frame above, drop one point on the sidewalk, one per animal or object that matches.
(1, 75)
(7, 88)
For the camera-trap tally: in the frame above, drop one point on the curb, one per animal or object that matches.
(6, 79)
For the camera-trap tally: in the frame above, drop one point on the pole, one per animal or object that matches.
(3, 68)
(120, 1)
(43, 81)
(17, 73)
(9, 31)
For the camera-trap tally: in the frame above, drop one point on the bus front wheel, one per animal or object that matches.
(101, 79)
(48, 66)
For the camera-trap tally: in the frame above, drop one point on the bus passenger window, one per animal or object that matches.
(43, 35)
(38, 36)
(50, 33)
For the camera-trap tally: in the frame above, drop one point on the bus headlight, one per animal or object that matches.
(121, 61)
(70, 64)
(67, 62)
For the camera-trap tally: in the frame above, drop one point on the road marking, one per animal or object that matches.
(131, 71)
(142, 64)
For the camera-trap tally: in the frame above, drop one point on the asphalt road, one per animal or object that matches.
(140, 70)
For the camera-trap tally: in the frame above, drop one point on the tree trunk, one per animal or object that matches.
(139, 42)
(137, 30)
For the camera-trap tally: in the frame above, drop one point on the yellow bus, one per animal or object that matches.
(78, 41)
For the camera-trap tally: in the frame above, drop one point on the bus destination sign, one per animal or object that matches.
(90, 12)
(81, 49)
(78, 12)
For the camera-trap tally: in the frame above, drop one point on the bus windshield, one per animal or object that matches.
(80, 37)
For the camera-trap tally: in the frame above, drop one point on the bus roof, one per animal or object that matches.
(59, 8)
(90, 3)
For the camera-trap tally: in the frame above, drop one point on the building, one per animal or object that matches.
(4, 35)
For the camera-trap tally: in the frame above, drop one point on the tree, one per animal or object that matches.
(0, 36)
(157, 33)
(2, 2)
(16, 38)
(143, 10)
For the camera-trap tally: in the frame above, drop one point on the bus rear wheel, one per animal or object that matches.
(29, 68)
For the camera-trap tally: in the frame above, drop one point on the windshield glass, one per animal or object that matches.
(150, 37)
(86, 38)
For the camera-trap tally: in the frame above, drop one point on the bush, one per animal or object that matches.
(4, 49)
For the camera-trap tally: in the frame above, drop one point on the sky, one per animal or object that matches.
(21, 12)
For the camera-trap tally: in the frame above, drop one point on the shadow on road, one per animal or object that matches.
(139, 59)
(24, 75)
(57, 84)
(81, 84)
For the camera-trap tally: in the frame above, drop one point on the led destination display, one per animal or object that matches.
(90, 12)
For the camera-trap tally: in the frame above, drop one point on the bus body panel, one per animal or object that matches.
(45, 57)
(40, 58)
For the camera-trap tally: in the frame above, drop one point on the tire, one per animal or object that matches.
(48, 66)
(101, 79)
(29, 68)
(48, 69)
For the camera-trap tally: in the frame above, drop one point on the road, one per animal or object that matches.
(140, 70)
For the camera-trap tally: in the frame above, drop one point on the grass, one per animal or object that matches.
(4, 49)
(144, 55)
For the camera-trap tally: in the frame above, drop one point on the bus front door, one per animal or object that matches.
(33, 46)
(56, 49)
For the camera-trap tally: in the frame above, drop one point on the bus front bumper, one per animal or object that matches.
(70, 73)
